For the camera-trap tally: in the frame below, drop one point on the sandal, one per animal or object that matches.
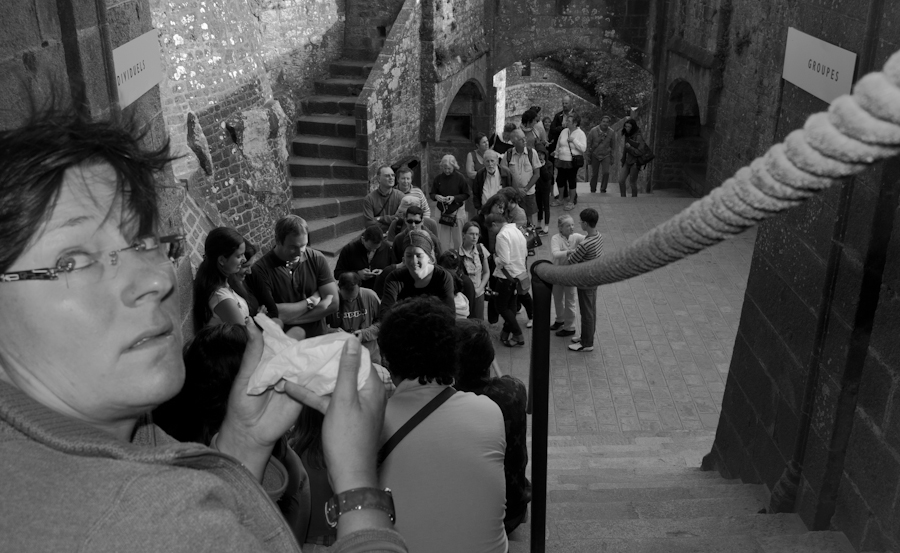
(569, 207)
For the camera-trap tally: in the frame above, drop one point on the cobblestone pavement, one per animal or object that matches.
(663, 341)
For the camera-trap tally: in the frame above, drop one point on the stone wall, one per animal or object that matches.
(813, 374)
(549, 97)
(388, 110)
(458, 31)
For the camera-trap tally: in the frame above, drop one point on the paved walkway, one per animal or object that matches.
(663, 341)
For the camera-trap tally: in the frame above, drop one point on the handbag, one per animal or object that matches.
(577, 161)
(646, 156)
(532, 240)
(447, 219)
(523, 281)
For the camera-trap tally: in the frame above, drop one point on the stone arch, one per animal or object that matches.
(468, 99)
(683, 141)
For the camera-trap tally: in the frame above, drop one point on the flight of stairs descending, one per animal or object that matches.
(328, 186)
(643, 493)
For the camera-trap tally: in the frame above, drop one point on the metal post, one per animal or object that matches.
(539, 390)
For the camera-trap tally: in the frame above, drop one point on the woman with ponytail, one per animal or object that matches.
(215, 302)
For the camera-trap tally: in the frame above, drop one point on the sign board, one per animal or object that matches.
(137, 66)
(820, 68)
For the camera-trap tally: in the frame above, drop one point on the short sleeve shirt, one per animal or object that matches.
(522, 168)
(222, 294)
(272, 282)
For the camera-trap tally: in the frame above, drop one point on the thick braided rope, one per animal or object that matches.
(857, 131)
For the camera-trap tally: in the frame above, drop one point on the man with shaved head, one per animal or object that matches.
(490, 179)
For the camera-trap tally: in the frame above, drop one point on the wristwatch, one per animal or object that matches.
(358, 499)
(310, 303)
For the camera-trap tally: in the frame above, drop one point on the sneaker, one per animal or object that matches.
(576, 340)
(543, 232)
(513, 343)
(529, 324)
(569, 207)
(579, 347)
(556, 326)
(565, 332)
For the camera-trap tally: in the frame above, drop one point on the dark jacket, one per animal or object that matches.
(354, 257)
(478, 185)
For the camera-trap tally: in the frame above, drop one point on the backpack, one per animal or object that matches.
(528, 152)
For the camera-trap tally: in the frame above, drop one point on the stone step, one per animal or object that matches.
(810, 542)
(622, 478)
(340, 126)
(629, 450)
(325, 147)
(328, 188)
(683, 460)
(632, 438)
(658, 528)
(716, 544)
(341, 86)
(668, 493)
(350, 68)
(323, 230)
(332, 247)
(320, 208)
(310, 167)
(676, 509)
(329, 105)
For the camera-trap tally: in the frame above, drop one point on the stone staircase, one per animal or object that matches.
(642, 493)
(328, 185)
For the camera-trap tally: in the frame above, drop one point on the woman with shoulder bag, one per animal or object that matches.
(635, 154)
(450, 190)
(474, 257)
(569, 158)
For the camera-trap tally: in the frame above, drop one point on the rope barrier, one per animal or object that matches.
(856, 132)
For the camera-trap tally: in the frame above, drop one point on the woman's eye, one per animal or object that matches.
(75, 261)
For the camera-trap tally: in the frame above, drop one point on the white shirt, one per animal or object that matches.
(222, 294)
(560, 246)
(510, 251)
(491, 185)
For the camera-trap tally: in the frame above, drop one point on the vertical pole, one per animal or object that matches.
(539, 389)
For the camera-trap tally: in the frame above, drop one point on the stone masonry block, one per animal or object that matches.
(873, 468)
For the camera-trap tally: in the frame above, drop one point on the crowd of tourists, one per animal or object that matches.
(133, 442)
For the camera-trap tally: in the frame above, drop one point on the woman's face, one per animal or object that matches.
(102, 345)
(232, 264)
(470, 238)
(570, 121)
(499, 208)
(418, 262)
(628, 127)
(483, 144)
(447, 168)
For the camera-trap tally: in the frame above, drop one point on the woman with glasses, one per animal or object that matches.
(90, 344)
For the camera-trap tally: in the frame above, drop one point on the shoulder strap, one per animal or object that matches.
(480, 248)
(413, 422)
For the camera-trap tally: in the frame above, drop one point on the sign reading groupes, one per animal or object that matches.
(820, 68)
(137, 67)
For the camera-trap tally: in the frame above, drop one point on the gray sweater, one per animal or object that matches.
(67, 486)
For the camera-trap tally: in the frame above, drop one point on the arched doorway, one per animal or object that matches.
(683, 143)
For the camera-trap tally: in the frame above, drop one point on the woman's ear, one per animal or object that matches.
(221, 261)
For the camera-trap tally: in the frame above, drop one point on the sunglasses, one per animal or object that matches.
(414, 221)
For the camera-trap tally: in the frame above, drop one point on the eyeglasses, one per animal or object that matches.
(84, 268)
(414, 221)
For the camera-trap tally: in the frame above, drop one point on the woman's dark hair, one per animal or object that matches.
(221, 241)
(475, 353)
(470, 224)
(238, 284)
(512, 195)
(634, 127)
(35, 157)
(212, 360)
(489, 204)
(479, 136)
(576, 118)
(528, 117)
(418, 340)
(450, 261)
(307, 437)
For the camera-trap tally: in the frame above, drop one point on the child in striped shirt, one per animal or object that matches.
(589, 248)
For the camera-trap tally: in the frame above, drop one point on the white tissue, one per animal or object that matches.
(312, 363)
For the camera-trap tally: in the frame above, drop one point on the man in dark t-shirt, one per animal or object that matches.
(293, 281)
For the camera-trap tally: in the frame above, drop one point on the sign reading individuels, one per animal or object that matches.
(137, 66)
(820, 68)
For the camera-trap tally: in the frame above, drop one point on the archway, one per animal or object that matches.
(466, 116)
(683, 143)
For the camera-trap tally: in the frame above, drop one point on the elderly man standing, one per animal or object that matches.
(601, 143)
(524, 165)
(382, 203)
(293, 280)
(490, 179)
(564, 297)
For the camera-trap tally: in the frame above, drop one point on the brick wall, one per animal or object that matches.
(820, 300)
